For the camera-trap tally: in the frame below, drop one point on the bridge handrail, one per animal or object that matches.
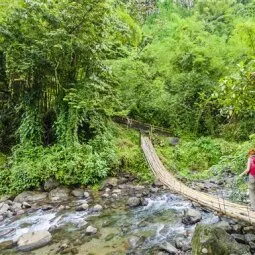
(141, 125)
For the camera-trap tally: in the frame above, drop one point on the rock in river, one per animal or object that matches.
(79, 193)
(97, 208)
(91, 230)
(134, 202)
(212, 240)
(34, 240)
(59, 194)
(191, 216)
(31, 197)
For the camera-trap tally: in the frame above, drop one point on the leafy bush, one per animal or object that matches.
(205, 157)
(78, 164)
(129, 154)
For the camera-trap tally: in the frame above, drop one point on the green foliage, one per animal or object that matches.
(205, 157)
(235, 93)
(130, 156)
(79, 164)
(169, 81)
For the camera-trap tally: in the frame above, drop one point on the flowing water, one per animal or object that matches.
(120, 231)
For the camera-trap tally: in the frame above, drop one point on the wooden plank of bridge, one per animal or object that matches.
(218, 204)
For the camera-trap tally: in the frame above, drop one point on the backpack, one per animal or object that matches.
(252, 166)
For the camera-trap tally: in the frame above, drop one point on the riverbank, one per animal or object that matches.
(121, 217)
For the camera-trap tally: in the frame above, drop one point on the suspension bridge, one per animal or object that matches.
(216, 203)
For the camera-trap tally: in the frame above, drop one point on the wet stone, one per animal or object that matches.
(133, 241)
(239, 238)
(252, 245)
(4, 208)
(25, 205)
(116, 191)
(115, 195)
(169, 248)
(82, 207)
(34, 240)
(97, 208)
(105, 195)
(90, 230)
(224, 225)
(249, 229)
(59, 194)
(86, 194)
(6, 245)
(31, 197)
(134, 202)
(46, 207)
(79, 193)
(191, 216)
(249, 237)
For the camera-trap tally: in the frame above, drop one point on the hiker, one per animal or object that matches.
(251, 171)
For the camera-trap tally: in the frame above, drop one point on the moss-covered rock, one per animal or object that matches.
(213, 240)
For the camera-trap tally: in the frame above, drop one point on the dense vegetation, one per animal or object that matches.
(67, 67)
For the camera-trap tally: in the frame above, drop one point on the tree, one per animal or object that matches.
(53, 53)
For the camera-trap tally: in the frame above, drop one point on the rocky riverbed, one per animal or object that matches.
(120, 218)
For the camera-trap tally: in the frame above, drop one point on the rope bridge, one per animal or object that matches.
(221, 205)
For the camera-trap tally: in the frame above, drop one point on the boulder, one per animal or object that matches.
(138, 188)
(114, 195)
(249, 237)
(31, 197)
(239, 238)
(134, 241)
(25, 205)
(211, 240)
(79, 193)
(97, 208)
(134, 202)
(34, 240)
(4, 245)
(46, 207)
(4, 208)
(237, 228)
(116, 191)
(105, 195)
(224, 225)
(169, 248)
(82, 207)
(248, 229)
(16, 206)
(59, 194)
(154, 190)
(50, 184)
(91, 230)
(252, 245)
(191, 216)
(86, 194)
(158, 183)
(182, 243)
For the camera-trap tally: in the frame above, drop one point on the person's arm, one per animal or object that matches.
(247, 170)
